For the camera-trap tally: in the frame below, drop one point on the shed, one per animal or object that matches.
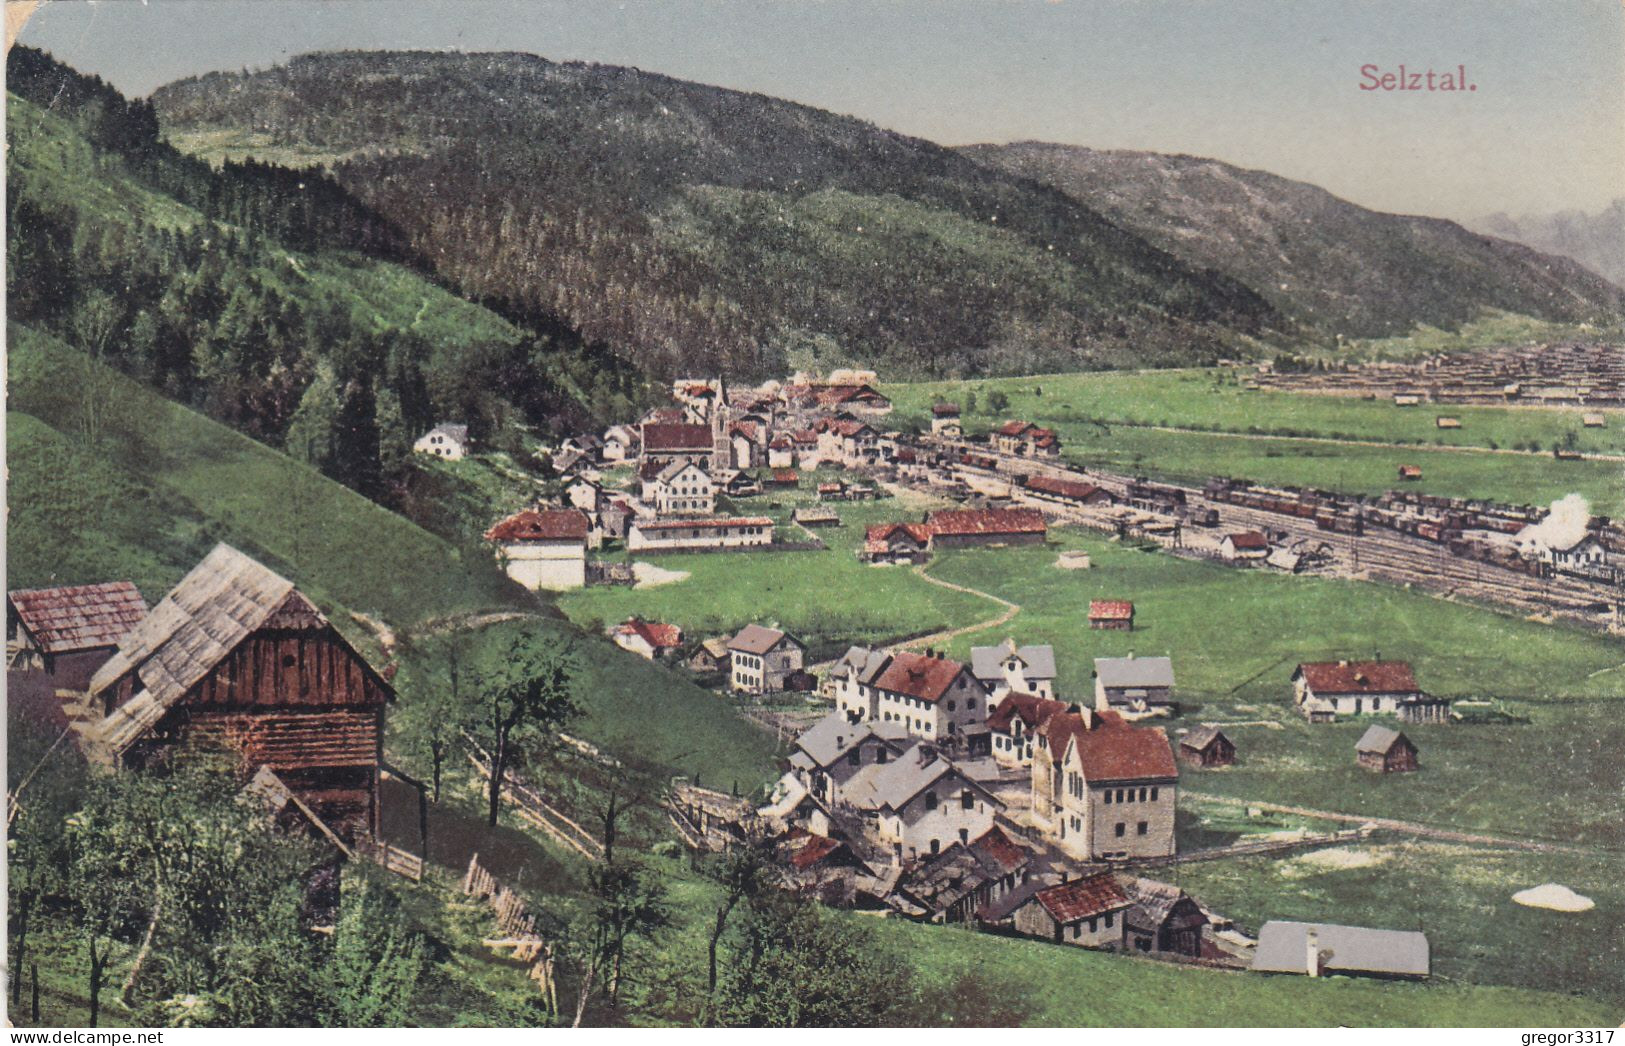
(1447, 423)
(1112, 614)
(1594, 421)
(1410, 472)
(68, 633)
(1207, 746)
(1386, 751)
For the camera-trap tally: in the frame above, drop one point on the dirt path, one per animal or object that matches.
(1409, 827)
(936, 638)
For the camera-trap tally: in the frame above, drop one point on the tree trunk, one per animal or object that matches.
(141, 956)
(19, 939)
(437, 753)
(716, 939)
(96, 982)
(588, 975)
(498, 757)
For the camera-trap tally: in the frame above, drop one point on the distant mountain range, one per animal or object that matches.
(696, 228)
(1596, 241)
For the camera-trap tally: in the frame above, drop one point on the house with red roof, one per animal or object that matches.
(1068, 493)
(1089, 912)
(1244, 545)
(650, 639)
(1116, 614)
(1013, 726)
(1324, 690)
(543, 548)
(1025, 439)
(934, 697)
(896, 543)
(1104, 789)
(665, 442)
(958, 528)
(67, 633)
(945, 421)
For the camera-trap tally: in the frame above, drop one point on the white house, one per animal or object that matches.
(446, 441)
(852, 679)
(543, 549)
(834, 749)
(1005, 668)
(921, 802)
(620, 443)
(935, 698)
(945, 421)
(648, 639)
(682, 488)
(761, 658)
(1014, 724)
(1134, 684)
(1103, 789)
(1324, 690)
(677, 534)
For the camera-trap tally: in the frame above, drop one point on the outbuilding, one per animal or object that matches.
(1386, 751)
(1207, 746)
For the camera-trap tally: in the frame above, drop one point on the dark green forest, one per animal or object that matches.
(269, 298)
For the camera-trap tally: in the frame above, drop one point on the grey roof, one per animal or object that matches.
(1201, 737)
(1283, 947)
(200, 621)
(891, 785)
(1135, 671)
(1005, 906)
(1378, 739)
(986, 661)
(450, 431)
(863, 663)
(672, 470)
(834, 735)
(759, 639)
(1157, 899)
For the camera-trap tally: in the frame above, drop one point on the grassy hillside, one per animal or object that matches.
(664, 217)
(166, 483)
(1321, 260)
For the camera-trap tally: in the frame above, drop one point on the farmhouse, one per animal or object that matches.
(761, 658)
(896, 543)
(958, 528)
(1066, 492)
(932, 696)
(920, 802)
(1025, 439)
(1115, 614)
(68, 633)
(1163, 919)
(710, 656)
(848, 440)
(1385, 751)
(585, 494)
(235, 656)
(682, 488)
(446, 441)
(1206, 746)
(945, 421)
(543, 548)
(1315, 949)
(1087, 912)
(1327, 689)
(1027, 669)
(1246, 545)
(1103, 789)
(782, 478)
(680, 534)
(853, 678)
(649, 639)
(1013, 724)
(1134, 684)
(836, 397)
(781, 452)
(621, 443)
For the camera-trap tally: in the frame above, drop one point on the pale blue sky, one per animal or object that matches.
(1262, 83)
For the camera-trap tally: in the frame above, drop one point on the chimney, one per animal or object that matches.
(1312, 953)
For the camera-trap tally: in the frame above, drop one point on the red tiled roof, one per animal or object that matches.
(680, 436)
(657, 634)
(906, 456)
(829, 488)
(805, 849)
(918, 676)
(945, 410)
(1058, 731)
(994, 844)
(744, 428)
(1360, 677)
(1029, 708)
(79, 617)
(1115, 751)
(781, 441)
(714, 524)
(1111, 610)
(560, 524)
(1066, 488)
(987, 521)
(1015, 428)
(1086, 898)
(785, 476)
(1249, 539)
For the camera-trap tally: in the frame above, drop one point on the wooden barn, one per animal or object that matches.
(68, 633)
(1206, 746)
(1111, 614)
(235, 656)
(1386, 751)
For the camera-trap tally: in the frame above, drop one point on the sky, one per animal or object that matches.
(1271, 84)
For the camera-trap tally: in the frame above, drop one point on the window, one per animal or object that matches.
(967, 801)
(1120, 827)
(1076, 927)
(1153, 795)
(1107, 797)
(935, 846)
(881, 753)
(1142, 795)
(1141, 828)
(1108, 920)
(964, 835)
(1093, 920)
(855, 756)
(950, 706)
(931, 802)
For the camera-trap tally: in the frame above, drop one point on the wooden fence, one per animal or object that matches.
(518, 927)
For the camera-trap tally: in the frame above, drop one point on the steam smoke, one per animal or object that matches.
(1564, 524)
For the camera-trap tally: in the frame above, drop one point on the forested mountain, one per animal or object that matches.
(1596, 241)
(699, 228)
(261, 295)
(1323, 261)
